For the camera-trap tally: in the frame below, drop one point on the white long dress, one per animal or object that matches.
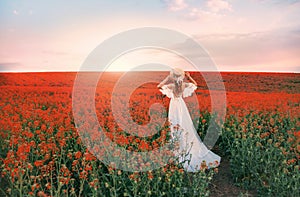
(192, 151)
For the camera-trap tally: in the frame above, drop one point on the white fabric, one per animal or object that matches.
(188, 91)
(167, 91)
(190, 145)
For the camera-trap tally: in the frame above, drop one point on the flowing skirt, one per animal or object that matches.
(192, 151)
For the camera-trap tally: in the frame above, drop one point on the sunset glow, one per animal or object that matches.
(250, 35)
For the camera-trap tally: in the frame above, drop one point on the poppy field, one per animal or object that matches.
(42, 153)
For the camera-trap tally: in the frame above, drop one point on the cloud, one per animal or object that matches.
(218, 5)
(278, 1)
(211, 9)
(175, 5)
(15, 12)
(52, 52)
(232, 36)
(265, 50)
(9, 66)
(200, 14)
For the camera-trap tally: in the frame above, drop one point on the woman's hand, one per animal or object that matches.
(190, 78)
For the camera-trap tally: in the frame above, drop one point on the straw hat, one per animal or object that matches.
(177, 72)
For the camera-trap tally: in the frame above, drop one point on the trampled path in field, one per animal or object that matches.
(223, 184)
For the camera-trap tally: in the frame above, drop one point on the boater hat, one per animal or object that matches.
(177, 72)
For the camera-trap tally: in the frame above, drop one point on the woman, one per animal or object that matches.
(192, 152)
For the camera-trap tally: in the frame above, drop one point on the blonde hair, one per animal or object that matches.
(178, 75)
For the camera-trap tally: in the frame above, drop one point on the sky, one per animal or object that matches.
(239, 35)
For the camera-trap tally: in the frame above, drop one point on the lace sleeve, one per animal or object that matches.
(189, 89)
(166, 91)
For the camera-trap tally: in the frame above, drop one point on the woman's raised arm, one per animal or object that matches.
(163, 82)
(190, 78)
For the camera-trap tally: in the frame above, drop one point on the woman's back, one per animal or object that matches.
(178, 89)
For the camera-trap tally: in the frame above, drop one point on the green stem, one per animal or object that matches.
(81, 187)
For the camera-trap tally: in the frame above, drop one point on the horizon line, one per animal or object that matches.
(123, 71)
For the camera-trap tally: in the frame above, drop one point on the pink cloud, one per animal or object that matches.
(267, 50)
(218, 5)
(199, 14)
(15, 12)
(211, 11)
(175, 5)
